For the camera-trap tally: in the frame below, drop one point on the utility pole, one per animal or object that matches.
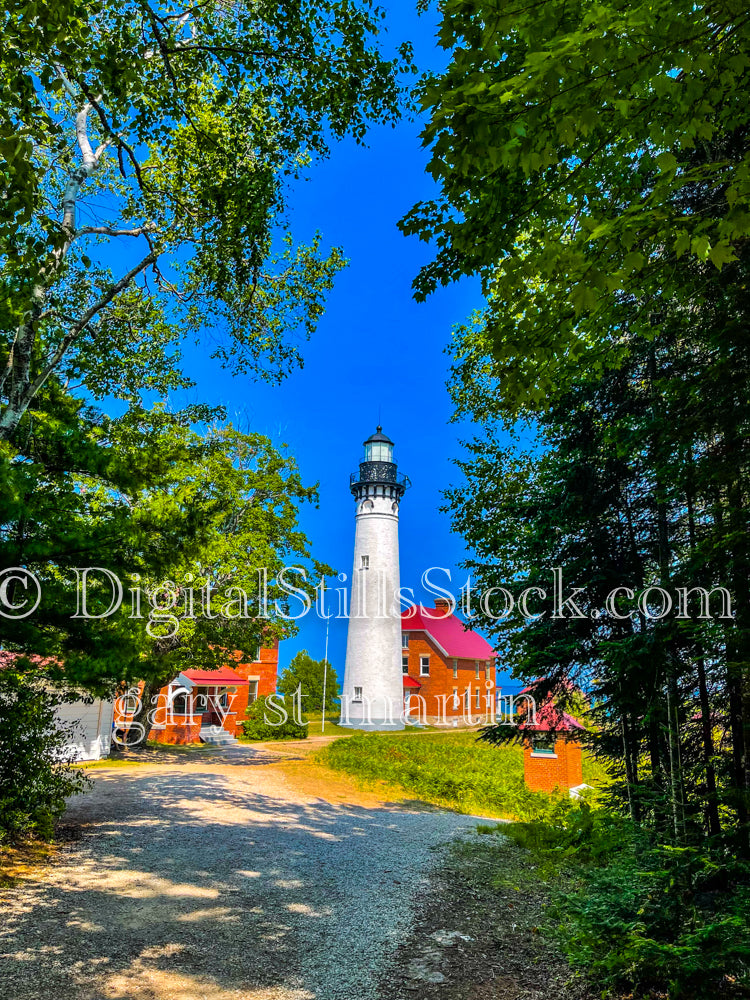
(325, 677)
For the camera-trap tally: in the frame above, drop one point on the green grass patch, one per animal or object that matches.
(448, 769)
(315, 720)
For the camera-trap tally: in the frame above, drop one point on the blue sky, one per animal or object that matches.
(376, 351)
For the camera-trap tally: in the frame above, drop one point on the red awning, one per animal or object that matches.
(409, 682)
(224, 677)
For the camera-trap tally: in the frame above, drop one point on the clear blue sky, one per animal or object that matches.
(376, 351)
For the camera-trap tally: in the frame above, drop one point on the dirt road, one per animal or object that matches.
(222, 875)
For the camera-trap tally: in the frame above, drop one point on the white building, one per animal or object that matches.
(90, 725)
(372, 694)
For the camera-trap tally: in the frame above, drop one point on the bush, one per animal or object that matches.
(265, 720)
(657, 920)
(36, 776)
(569, 828)
(641, 917)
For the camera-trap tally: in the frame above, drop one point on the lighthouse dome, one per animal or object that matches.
(378, 447)
(378, 474)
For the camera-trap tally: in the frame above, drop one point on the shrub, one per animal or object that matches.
(272, 720)
(657, 920)
(638, 916)
(36, 776)
(565, 829)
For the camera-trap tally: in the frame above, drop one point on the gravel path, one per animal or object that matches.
(219, 878)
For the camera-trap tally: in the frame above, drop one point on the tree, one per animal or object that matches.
(147, 145)
(308, 674)
(593, 168)
(183, 511)
(569, 142)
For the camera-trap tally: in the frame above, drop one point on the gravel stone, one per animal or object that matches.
(217, 879)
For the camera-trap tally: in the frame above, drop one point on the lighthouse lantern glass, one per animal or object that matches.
(378, 451)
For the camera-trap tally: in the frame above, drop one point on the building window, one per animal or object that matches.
(365, 562)
(543, 743)
(404, 640)
(357, 694)
(476, 669)
(180, 705)
(405, 664)
(252, 692)
(487, 672)
(456, 701)
(424, 666)
(455, 669)
(477, 699)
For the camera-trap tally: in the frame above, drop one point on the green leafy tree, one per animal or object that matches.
(308, 674)
(569, 142)
(592, 163)
(36, 776)
(184, 511)
(147, 147)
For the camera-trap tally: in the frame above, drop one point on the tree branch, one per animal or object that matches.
(14, 411)
(148, 227)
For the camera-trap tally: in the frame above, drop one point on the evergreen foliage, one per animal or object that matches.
(307, 674)
(593, 167)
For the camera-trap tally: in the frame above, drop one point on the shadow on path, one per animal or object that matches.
(209, 885)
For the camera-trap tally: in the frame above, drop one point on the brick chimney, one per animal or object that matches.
(443, 605)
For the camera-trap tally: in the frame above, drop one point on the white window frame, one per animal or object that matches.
(422, 661)
(404, 640)
(404, 664)
(355, 699)
(455, 670)
(364, 562)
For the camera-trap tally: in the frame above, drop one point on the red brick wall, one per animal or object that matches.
(265, 671)
(545, 773)
(440, 682)
(179, 733)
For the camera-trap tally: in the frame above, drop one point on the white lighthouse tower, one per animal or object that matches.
(372, 695)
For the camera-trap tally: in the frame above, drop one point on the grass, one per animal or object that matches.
(447, 769)
(332, 728)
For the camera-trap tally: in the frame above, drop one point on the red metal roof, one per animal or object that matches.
(409, 682)
(551, 719)
(448, 634)
(224, 677)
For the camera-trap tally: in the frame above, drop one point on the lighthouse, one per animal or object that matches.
(372, 695)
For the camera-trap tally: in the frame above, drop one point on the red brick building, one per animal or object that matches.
(209, 705)
(448, 670)
(552, 753)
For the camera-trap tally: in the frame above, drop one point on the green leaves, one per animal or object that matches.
(571, 147)
(150, 145)
(153, 496)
